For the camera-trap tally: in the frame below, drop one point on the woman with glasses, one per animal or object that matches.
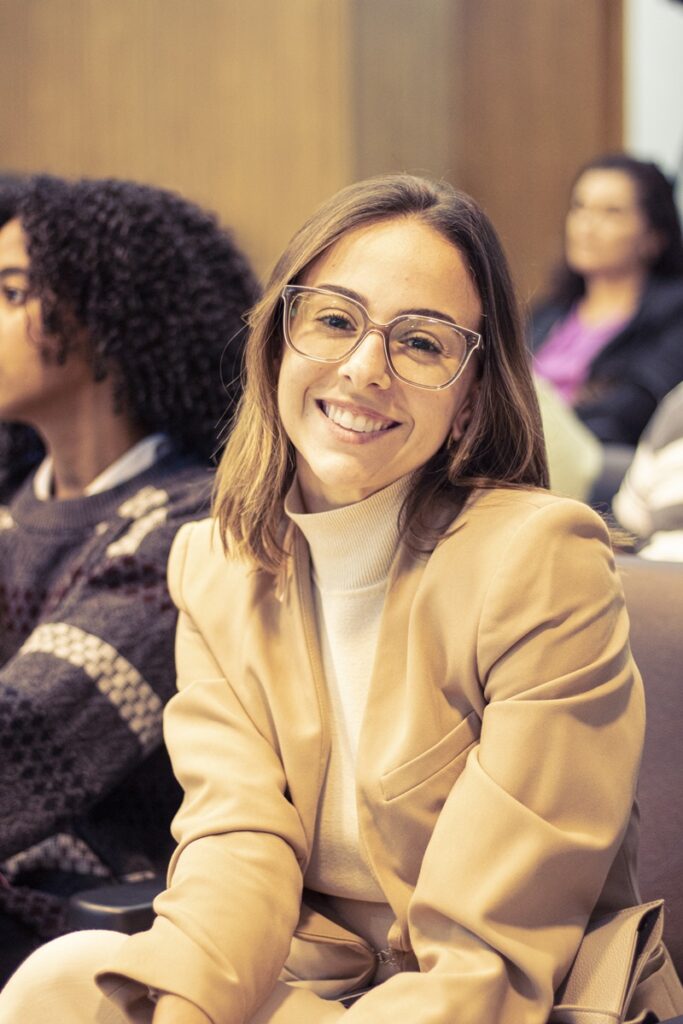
(408, 724)
(608, 336)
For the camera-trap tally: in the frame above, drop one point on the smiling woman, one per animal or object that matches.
(355, 427)
(408, 723)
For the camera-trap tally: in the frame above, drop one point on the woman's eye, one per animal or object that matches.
(336, 322)
(575, 206)
(14, 296)
(421, 344)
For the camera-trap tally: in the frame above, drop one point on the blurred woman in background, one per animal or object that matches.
(609, 335)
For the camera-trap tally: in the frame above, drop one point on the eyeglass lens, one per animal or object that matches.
(421, 350)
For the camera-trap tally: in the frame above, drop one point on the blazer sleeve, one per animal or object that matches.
(526, 838)
(236, 824)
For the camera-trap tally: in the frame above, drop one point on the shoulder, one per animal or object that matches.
(198, 542)
(525, 527)
(663, 297)
(669, 287)
(501, 512)
(526, 560)
(200, 571)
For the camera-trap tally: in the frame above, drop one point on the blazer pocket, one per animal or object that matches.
(431, 762)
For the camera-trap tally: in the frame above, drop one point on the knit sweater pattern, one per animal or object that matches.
(86, 667)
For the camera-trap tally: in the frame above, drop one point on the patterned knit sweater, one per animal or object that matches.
(86, 666)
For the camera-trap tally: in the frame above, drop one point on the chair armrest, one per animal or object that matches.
(119, 907)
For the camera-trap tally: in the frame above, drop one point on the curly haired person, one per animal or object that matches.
(121, 326)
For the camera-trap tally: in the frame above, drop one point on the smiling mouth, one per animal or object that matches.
(358, 422)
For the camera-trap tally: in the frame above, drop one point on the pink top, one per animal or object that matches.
(565, 358)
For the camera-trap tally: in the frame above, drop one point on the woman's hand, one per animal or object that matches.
(175, 1010)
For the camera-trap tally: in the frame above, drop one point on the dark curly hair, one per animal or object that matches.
(656, 200)
(160, 289)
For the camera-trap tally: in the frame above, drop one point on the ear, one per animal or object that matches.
(463, 413)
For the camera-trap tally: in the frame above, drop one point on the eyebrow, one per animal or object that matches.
(8, 271)
(417, 311)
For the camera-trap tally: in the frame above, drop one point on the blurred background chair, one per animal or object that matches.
(616, 459)
(654, 597)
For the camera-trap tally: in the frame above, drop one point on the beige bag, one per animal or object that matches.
(622, 973)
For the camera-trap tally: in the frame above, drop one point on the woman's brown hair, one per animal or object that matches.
(503, 442)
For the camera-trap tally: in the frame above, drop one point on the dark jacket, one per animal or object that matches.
(629, 377)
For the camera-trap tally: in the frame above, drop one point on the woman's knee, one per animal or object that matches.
(57, 981)
(288, 1004)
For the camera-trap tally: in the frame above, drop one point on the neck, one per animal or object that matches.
(94, 437)
(611, 297)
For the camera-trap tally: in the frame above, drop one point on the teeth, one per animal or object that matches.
(352, 421)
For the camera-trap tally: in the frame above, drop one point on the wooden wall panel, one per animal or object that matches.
(538, 92)
(261, 108)
(240, 105)
(402, 85)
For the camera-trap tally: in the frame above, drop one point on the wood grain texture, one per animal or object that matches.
(538, 93)
(259, 109)
(241, 106)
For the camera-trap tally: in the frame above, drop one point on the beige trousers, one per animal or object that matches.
(56, 984)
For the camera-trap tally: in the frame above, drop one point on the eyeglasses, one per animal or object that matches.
(420, 350)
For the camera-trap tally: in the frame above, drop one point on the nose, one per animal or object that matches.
(367, 364)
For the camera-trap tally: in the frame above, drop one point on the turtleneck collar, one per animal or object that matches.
(353, 546)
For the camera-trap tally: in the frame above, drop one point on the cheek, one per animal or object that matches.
(283, 396)
(294, 381)
(433, 420)
(287, 376)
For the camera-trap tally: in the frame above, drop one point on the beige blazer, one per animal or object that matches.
(496, 772)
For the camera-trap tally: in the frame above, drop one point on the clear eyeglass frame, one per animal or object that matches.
(473, 340)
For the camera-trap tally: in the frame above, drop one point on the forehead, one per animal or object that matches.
(13, 251)
(400, 260)
(607, 187)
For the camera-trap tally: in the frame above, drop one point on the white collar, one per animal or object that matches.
(138, 458)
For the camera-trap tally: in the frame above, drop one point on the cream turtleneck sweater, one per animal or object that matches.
(352, 549)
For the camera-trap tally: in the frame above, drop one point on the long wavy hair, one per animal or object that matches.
(655, 198)
(160, 290)
(503, 442)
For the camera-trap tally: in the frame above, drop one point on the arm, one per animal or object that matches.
(175, 1010)
(529, 831)
(81, 700)
(225, 923)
